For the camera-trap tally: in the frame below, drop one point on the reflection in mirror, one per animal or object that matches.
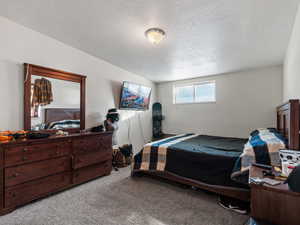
(55, 104)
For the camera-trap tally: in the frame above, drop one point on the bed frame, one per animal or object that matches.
(287, 123)
(58, 114)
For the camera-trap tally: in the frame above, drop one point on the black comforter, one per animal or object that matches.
(208, 159)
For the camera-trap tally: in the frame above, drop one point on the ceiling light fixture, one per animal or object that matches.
(155, 35)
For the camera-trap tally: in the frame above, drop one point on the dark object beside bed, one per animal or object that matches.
(207, 162)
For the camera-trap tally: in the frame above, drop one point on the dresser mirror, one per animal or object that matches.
(53, 99)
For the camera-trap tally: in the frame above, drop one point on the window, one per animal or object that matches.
(195, 93)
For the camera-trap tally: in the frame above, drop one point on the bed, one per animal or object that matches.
(206, 161)
(60, 118)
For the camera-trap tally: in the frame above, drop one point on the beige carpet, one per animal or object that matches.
(120, 200)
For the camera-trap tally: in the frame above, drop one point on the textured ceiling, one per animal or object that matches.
(204, 37)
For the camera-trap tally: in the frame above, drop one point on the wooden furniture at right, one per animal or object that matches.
(288, 122)
(276, 205)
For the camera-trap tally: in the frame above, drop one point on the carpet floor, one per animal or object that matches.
(120, 200)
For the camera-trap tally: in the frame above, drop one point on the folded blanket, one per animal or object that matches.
(262, 147)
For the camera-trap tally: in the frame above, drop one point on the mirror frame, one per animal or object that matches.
(30, 69)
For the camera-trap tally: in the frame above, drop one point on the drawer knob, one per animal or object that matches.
(25, 149)
(15, 174)
(24, 158)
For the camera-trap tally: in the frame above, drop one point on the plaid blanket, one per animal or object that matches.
(154, 154)
(262, 147)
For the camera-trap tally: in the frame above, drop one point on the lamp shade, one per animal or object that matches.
(155, 35)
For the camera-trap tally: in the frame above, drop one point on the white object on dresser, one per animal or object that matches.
(289, 160)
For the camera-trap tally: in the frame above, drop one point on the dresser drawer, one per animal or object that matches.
(21, 194)
(25, 154)
(20, 174)
(92, 143)
(106, 141)
(86, 144)
(91, 158)
(91, 172)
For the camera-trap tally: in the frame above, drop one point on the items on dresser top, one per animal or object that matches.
(268, 181)
(62, 133)
(272, 175)
(37, 135)
(289, 155)
(34, 168)
(99, 128)
(11, 135)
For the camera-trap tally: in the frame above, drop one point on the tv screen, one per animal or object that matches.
(135, 96)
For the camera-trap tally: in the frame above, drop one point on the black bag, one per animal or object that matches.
(122, 156)
(36, 135)
(97, 129)
(294, 180)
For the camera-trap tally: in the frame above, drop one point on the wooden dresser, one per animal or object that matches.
(32, 169)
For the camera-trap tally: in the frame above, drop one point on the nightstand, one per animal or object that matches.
(276, 205)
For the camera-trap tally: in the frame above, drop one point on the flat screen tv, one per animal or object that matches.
(134, 96)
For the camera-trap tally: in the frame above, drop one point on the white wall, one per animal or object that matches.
(291, 78)
(245, 101)
(19, 45)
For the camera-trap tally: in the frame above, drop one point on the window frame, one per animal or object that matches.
(194, 84)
